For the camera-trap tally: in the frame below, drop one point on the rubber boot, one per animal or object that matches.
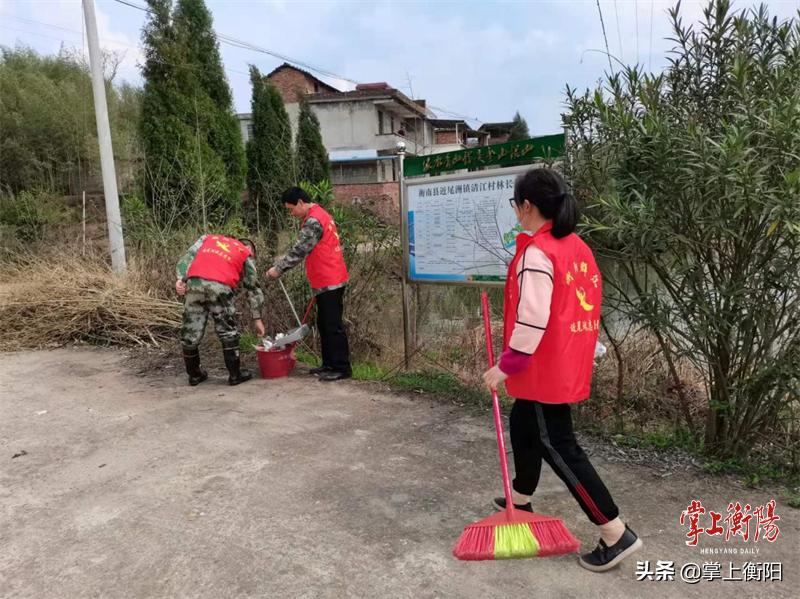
(231, 353)
(191, 357)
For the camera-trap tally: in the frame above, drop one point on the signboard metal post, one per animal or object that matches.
(405, 287)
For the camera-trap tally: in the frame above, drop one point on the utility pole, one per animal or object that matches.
(116, 243)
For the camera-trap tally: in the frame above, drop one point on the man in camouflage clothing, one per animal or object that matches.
(208, 275)
(318, 244)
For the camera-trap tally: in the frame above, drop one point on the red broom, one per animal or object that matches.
(511, 533)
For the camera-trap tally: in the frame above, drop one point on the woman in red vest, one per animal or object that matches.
(551, 323)
(318, 244)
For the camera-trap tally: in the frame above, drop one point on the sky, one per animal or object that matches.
(481, 60)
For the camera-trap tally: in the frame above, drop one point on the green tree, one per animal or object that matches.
(195, 28)
(692, 186)
(270, 164)
(312, 157)
(519, 128)
(194, 157)
(47, 121)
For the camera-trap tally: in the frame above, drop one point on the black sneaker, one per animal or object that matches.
(604, 557)
(499, 503)
(319, 370)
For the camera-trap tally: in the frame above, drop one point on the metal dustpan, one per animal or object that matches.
(294, 335)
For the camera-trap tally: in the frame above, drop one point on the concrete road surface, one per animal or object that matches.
(140, 486)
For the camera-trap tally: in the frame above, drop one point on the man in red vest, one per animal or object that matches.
(208, 275)
(318, 244)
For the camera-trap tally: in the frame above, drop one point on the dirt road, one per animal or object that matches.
(140, 486)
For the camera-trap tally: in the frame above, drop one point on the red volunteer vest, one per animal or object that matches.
(219, 259)
(560, 370)
(325, 265)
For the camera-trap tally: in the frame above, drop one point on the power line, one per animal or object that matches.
(605, 37)
(105, 42)
(242, 44)
(136, 6)
(619, 31)
(34, 21)
(223, 38)
(66, 29)
(44, 35)
(232, 41)
(636, 14)
(650, 65)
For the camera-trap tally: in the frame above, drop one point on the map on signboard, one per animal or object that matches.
(461, 230)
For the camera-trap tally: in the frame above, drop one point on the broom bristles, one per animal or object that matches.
(554, 538)
(514, 541)
(475, 543)
(497, 538)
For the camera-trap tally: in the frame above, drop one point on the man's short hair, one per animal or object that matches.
(293, 195)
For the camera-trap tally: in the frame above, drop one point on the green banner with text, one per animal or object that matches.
(512, 153)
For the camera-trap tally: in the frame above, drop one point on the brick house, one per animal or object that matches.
(361, 129)
(497, 133)
(455, 134)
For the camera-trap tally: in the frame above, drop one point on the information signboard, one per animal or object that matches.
(461, 228)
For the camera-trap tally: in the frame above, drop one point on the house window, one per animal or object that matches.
(386, 123)
(359, 172)
(249, 132)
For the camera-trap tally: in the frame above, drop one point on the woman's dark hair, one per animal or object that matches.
(547, 190)
(294, 195)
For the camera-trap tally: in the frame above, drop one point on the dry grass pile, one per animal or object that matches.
(45, 302)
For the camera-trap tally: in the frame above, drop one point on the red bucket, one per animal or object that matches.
(276, 363)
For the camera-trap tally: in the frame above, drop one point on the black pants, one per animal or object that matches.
(544, 431)
(335, 350)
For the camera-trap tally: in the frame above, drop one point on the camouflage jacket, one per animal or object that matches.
(307, 239)
(248, 280)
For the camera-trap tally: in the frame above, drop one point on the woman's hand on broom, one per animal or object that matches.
(493, 377)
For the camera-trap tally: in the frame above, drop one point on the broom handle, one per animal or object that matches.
(291, 305)
(308, 310)
(498, 421)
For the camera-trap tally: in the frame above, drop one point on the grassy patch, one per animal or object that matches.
(672, 439)
(246, 342)
(438, 383)
(366, 371)
(428, 382)
(362, 371)
(752, 473)
(307, 357)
